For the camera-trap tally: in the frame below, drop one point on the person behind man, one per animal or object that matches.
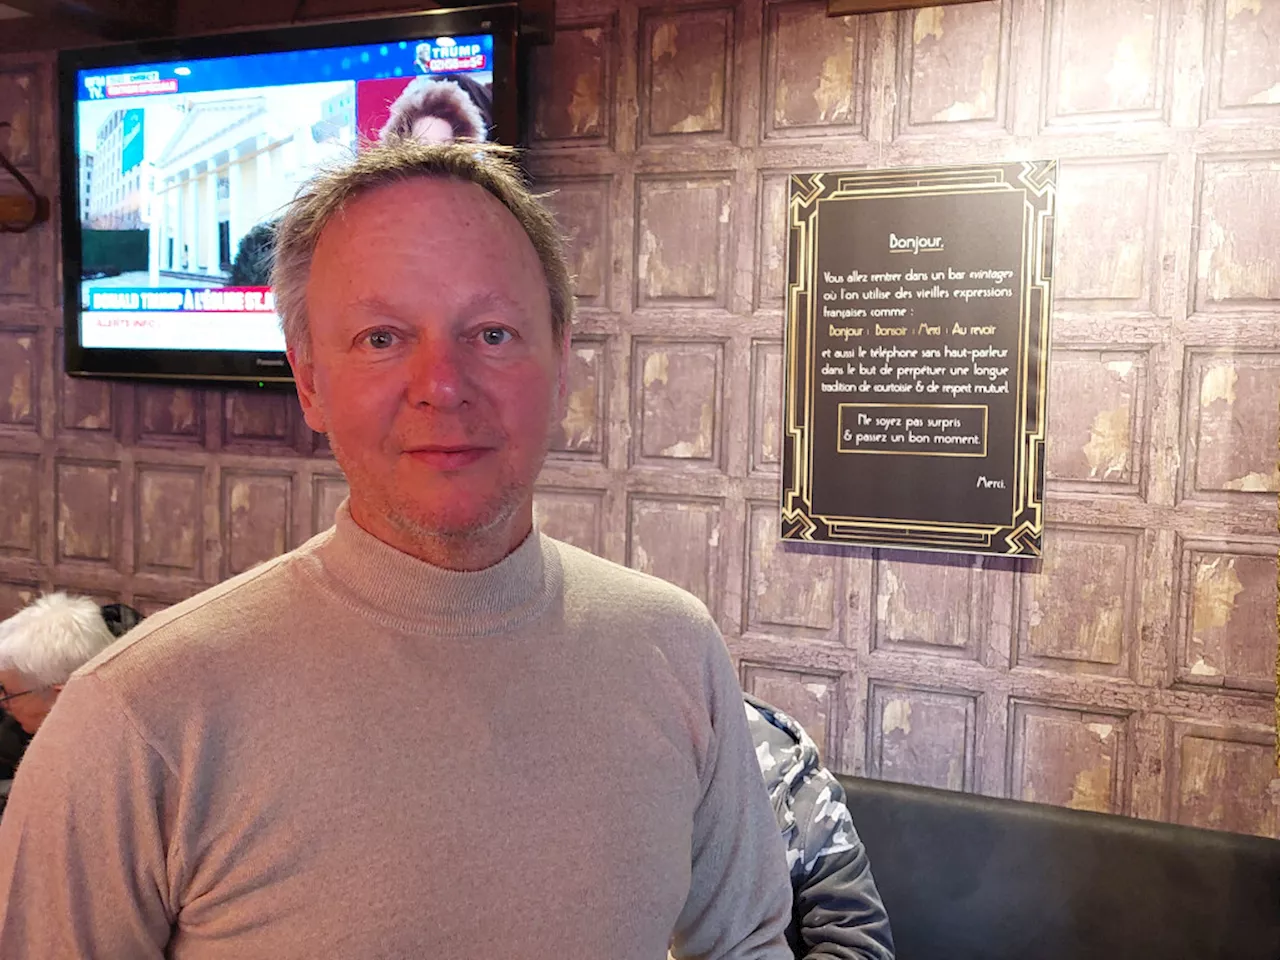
(42, 645)
(542, 754)
(837, 909)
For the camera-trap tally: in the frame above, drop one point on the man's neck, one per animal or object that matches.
(465, 552)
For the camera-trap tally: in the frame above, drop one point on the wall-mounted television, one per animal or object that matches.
(178, 156)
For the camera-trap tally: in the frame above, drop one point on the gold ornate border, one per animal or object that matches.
(1037, 183)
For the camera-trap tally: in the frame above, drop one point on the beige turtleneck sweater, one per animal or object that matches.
(349, 753)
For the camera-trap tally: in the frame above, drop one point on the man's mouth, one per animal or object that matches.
(448, 456)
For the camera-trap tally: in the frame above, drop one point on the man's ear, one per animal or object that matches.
(304, 378)
(562, 394)
(57, 688)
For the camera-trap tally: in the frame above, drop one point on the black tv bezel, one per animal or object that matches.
(243, 366)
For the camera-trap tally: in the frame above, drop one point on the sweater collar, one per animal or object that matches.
(409, 594)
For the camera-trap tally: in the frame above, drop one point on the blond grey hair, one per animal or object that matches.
(397, 160)
(53, 637)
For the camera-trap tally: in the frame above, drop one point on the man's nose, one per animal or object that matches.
(438, 376)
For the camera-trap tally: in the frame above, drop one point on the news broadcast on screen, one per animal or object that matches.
(186, 166)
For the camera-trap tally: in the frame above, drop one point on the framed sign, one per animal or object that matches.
(916, 357)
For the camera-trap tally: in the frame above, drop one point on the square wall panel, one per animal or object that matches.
(1079, 613)
(791, 588)
(811, 699)
(581, 432)
(20, 365)
(678, 540)
(1111, 205)
(1230, 404)
(952, 68)
(766, 407)
(1244, 72)
(583, 210)
(169, 416)
(1109, 75)
(926, 603)
(572, 86)
(88, 509)
(1219, 778)
(1068, 756)
(327, 494)
(815, 69)
(1227, 616)
(169, 520)
(19, 505)
(677, 392)
(257, 518)
(682, 242)
(1234, 257)
(686, 73)
(922, 736)
(573, 516)
(1097, 423)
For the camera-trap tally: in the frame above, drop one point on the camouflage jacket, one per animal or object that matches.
(837, 910)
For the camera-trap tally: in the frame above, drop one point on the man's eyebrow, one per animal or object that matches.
(479, 303)
(375, 305)
(492, 301)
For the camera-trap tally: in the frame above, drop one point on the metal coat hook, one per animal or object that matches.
(19, 212)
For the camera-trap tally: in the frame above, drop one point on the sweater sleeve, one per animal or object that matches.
(739, 900)
(82, 850)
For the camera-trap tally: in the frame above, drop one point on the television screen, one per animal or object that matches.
(183, 163)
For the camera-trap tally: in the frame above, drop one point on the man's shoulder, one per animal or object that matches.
(609, 587)
(212, 623)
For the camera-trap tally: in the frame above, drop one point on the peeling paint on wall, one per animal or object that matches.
(584, 104)
(664, 41)
(1256, 482)
(982, 105)
(897, 717)
(1270, 95)
(655, 368)
(1129, 78)
(20, 396)
(709, 118)
(1091, 789)
(1109, 444)
(834, 95)
(1237, 7)
(928, 24)
(1219, 383)
(1217, 587)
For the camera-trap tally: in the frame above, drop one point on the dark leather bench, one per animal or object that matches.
(973, 878)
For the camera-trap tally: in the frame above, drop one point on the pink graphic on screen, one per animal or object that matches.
(432, 109)
(373, 104)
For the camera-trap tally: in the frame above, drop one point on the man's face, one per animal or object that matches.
(30, 709)
(433, 366)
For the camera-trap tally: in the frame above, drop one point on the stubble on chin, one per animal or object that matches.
(430, 533)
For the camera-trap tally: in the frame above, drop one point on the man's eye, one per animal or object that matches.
(495, 336)
(380, 339)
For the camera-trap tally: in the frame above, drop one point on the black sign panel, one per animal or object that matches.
(916, 357)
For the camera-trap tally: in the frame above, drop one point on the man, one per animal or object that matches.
(540, 754)
(42, 645)
(838, 911)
